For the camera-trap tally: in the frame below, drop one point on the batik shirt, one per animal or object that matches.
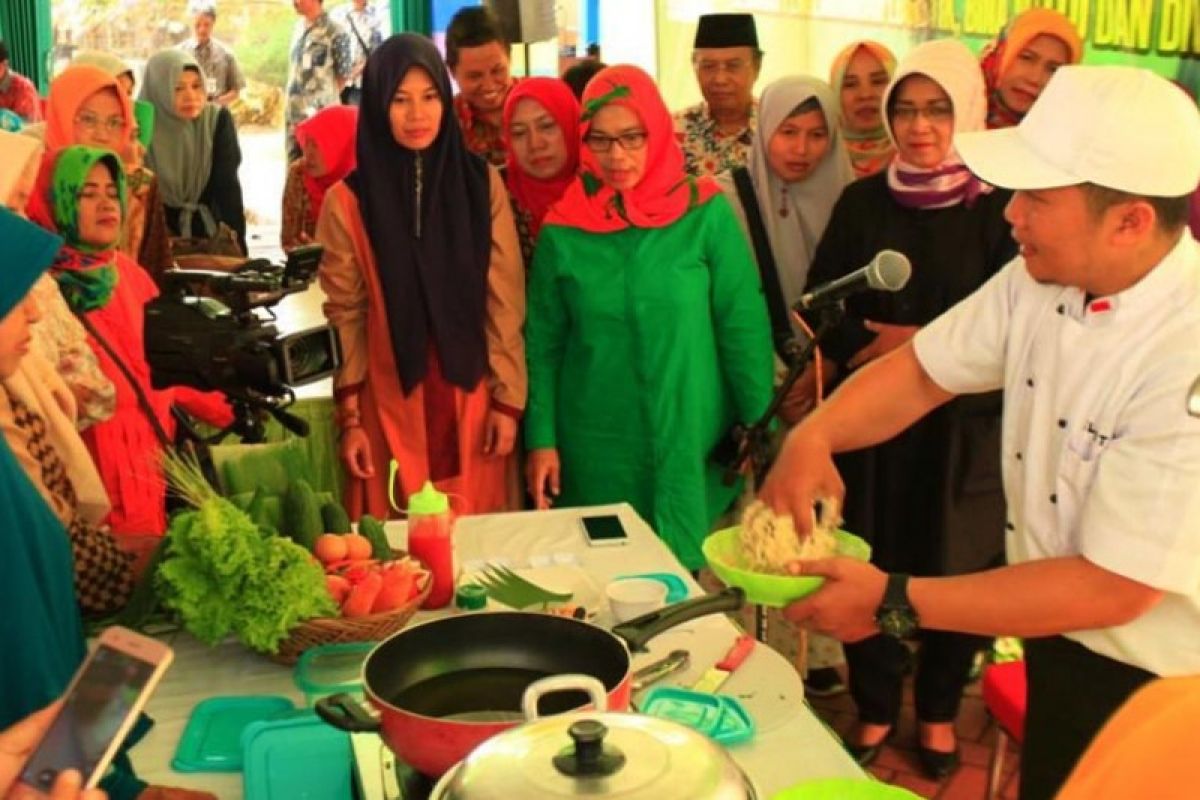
(482, 137)
(18, 95)
(707, 151)
(320, 57)
(364, 28)
(221, 71)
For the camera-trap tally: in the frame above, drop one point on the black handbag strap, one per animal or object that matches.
(143, 401)
(781, 326)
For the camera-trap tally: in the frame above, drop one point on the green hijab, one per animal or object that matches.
(86, 274)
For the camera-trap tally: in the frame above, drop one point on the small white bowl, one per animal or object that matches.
(633, 597)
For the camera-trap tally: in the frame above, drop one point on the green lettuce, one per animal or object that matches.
(223, 575)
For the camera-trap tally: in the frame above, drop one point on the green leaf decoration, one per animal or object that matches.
(594, 105)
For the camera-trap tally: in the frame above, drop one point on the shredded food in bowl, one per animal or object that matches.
(769, 541)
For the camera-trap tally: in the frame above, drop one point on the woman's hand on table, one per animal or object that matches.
(542, 472)
(18, 743)
(355, 451)
(887, 338)
(500, 436)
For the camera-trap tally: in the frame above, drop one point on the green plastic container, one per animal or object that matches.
(331, 668)
(723, 553)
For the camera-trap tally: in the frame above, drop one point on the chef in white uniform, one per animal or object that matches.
(1093, 332)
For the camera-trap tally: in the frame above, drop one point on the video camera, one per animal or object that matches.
(215, 331)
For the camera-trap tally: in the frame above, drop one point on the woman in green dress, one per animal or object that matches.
(647, 335)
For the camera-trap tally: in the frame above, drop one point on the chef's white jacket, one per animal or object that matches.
(1100, 458)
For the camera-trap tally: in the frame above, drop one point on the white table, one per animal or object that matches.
(791, 745)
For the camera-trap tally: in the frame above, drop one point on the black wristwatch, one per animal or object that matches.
(895, 616)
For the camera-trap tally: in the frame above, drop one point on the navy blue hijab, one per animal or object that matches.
(433, 270)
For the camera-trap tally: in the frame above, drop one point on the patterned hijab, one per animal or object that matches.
(332, 130)
(428, 218)
(999, 55)
(949, 64)
(534, 194)
(181, 149)
(86, 274)
(664, 194)
(870, 151)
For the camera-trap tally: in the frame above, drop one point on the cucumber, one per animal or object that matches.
(257, 511)
(335, 518)
(372, 528)
(302, 514)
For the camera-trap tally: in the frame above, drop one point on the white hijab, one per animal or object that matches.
(809, 203)
(952, 66)
(19, 152)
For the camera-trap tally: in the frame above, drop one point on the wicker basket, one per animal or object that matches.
(339, 630)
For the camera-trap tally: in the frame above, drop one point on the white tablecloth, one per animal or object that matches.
(791, 745)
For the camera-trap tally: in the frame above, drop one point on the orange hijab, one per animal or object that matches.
(68, 92)
(999, 55)
(665, 193)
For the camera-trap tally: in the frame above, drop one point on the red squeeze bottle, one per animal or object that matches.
(431, 541)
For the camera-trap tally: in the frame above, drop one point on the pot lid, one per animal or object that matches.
(632, 756)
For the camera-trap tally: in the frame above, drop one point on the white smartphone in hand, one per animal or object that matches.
(100, 706)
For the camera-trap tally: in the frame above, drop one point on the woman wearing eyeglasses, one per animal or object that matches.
(194, 150)
(929, 501)
(647, 335)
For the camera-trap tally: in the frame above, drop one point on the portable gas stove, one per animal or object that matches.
(379, 775)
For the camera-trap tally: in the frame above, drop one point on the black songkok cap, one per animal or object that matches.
(726, 30)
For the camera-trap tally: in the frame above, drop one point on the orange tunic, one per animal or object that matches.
(394, 423)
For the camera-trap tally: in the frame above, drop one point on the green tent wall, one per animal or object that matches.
(25, 27)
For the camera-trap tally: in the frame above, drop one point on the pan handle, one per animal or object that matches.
(639, 630)
(345, 713)
(563, 683)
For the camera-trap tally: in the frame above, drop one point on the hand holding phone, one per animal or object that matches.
(18, 741)
(98, 709)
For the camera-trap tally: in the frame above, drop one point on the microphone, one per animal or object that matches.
(888, 271)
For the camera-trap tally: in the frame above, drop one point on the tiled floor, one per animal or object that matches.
(897, 764)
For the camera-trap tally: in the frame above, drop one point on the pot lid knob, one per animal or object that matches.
(589, 757)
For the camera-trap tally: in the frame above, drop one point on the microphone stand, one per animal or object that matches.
(752, 444)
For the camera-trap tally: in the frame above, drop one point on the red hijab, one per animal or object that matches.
(536, 195)
(665, 193)
(332, 130)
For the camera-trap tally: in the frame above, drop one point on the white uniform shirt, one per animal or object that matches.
(1100, 458)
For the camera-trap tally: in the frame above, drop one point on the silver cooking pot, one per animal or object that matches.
(594, 754)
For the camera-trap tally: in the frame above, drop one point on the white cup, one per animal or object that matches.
(633, 597)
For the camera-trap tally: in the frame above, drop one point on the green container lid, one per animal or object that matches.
(428, 501)
(470, 597)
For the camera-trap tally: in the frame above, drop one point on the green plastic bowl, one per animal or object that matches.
(845, 789)
(723, 553)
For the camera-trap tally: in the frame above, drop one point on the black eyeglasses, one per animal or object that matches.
(630, 140)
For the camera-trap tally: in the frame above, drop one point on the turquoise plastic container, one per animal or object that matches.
(331, 668)
(299, 758)
(212, 740)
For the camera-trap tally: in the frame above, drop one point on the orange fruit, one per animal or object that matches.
(331, 547)
(357, 547)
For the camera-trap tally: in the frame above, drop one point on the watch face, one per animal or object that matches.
(898, 622)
